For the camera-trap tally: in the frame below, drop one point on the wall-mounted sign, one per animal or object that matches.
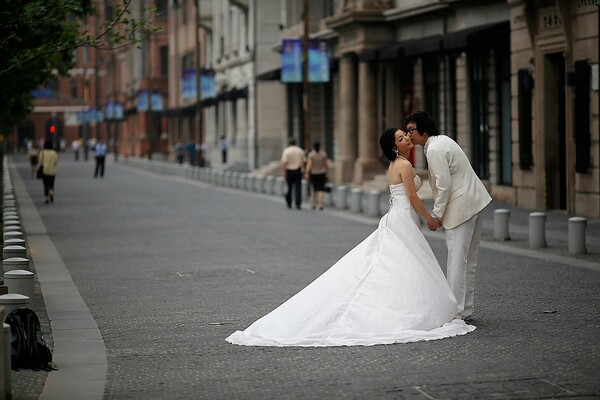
(291, 61)
(188, 84)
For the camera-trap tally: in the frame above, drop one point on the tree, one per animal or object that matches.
(38, 39)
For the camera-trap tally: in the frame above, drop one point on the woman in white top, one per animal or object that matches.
(48, 159)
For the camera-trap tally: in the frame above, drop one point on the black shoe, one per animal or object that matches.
(46, 201)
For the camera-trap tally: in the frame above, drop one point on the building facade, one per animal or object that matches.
(514, 82)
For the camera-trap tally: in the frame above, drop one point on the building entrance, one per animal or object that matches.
(555, 132)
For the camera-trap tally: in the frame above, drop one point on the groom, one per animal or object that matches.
(459, 197)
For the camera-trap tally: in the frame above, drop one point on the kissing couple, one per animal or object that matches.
(390, 288)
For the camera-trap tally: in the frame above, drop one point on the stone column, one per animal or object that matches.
(368, 163)
(348, 120)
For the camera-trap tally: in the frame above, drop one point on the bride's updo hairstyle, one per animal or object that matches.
(387, 141)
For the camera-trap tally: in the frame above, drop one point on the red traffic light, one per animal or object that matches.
(52, 128)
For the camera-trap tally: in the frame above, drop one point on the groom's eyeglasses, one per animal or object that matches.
(411, 130)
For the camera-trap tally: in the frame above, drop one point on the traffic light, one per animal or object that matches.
(52, 129)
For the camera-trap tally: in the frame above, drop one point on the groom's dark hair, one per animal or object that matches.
(387, 141)
(424, 123)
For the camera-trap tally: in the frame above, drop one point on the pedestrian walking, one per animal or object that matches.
(459, 198)
(223, 146)
(33, 153)
(317, 169)
(48, 159)
(75, 146)
(100, 149)
(293, 159)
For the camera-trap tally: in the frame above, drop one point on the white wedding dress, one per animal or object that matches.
(388, 289)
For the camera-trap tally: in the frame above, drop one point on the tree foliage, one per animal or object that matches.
(38, 39)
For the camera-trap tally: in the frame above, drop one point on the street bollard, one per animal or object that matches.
(12, 301)
(280, 186)
(259, 183)
(501, 217)
(372, 208)
(577, 226)
(10, 264)
(6, 373)
(340, 197)
(14, 251)
(537, 230)
(269, 184)
(305, 188)
(356, 200)
(13, 234)
(250, 182)
(329, 194)
(19, 281)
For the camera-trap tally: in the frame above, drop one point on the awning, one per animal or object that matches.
(477, 36)
(430, 44)
(274, 75)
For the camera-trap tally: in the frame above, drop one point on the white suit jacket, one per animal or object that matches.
(458, 192)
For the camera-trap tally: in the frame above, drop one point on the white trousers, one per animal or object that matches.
(463, 247)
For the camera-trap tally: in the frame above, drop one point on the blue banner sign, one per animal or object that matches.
(291, 61)
(142, 100)
(188, 84)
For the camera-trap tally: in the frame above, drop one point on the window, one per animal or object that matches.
(525, 87)
(164, 61)
(582, 117)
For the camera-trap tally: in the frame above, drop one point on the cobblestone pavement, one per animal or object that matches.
(170, 267)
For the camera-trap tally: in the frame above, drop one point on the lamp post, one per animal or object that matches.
(199, 136)
(305, 85)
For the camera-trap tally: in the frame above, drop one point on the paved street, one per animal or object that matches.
(169, 267)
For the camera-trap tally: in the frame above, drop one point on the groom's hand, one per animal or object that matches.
(437, 223)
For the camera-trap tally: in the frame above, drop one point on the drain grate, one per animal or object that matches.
(508, 389)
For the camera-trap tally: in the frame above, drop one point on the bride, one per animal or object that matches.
(388, 289)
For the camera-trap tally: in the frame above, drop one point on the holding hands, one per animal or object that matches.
(433, 223)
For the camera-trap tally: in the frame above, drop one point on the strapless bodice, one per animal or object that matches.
(398, 195)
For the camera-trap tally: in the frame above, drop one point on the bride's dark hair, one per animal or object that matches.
(387, 141)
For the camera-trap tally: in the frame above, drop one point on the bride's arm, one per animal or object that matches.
(408, 177)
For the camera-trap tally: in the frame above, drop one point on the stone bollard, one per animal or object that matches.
(6, 386)
(259, 183)
(355, 200)
(340, 197)
(13, 234)
(12, 222)
(19, 281)
(305, 188)
(372, 208)
(250, 182)
(537, 230)
(13, 263)
(329, 195)
(234, 179)
(242, 180)
(226, 180)
(280, 186)
(12, 228)
(14, 242)
(577, 226)
(12, 301)
(269, 184)
(501, 217)
(14, 251)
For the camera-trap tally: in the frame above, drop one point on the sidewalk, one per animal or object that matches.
(63, 381)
